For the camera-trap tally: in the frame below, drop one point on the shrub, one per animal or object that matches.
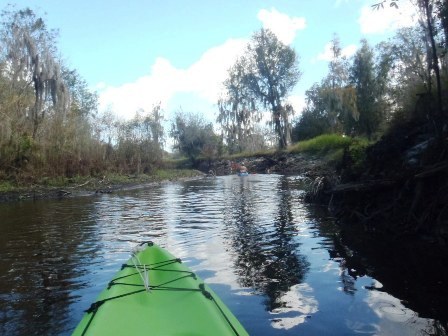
(357, 152)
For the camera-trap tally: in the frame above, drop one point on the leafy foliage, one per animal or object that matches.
(314, 119)
(30, 52)
(194, 136)
(49, 127)
(262, 78)
(238, 111)
(139, 142)
(363, 77)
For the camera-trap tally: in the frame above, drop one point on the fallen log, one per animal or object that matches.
(434, 169)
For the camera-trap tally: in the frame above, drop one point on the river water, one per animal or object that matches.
(277, 263)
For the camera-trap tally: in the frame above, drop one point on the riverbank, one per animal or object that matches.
(91, 186)
(311, 166)
(397, 190)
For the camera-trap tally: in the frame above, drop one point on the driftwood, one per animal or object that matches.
(434, 169)
(81, 185)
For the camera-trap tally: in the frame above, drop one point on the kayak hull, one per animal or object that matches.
(176, 301)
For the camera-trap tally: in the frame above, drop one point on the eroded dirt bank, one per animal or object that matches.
(400, 190)
(282, 163)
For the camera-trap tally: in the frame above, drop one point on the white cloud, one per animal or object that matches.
(297, 102)
(349, 50)
(387, 19)
(340, 2)
(100, 86)
(327, 54)
(284, 26)
(206, 76)
(202, 81)
(299, 304)
(203, 78)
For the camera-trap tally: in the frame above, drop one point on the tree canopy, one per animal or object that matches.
(260, 80)
(193, 136)
(50, 123)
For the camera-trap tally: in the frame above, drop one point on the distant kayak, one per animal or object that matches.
(155, 294)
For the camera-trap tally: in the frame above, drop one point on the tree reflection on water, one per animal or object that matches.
(267, 249)
(252, 234)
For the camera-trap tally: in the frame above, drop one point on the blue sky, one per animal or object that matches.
(138, 53)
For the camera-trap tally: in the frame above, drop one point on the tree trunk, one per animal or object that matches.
(435, 64)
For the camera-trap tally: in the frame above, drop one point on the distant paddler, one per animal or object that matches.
(242, 171)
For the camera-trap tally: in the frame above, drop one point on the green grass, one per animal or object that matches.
(357, 152)
(6, 186)
(176, 163)
(322, 144)
(332, 147)
(58, 181)
(242, 155)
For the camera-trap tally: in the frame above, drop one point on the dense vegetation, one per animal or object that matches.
(50, 125)
(381, 87)
(395, 95)
(49, 122)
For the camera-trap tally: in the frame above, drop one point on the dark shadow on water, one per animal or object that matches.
(39, 263)
(413, 271)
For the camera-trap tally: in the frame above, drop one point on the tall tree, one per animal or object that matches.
(363, 78)
(238, 112)
(434, 20)
(314, 119)
(154, 121)
(265, 76)
(83, 101)
(273, 74)
(30, 53)
(331, 106)
(403, 72)
(339, 96)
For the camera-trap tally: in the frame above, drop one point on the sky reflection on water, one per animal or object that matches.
(278, 264)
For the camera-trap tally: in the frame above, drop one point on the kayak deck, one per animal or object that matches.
(175, 302)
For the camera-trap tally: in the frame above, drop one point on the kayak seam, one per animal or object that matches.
(209, 296)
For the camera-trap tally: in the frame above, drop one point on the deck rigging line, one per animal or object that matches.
(94, 307)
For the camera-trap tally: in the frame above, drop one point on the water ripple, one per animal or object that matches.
(272, 260)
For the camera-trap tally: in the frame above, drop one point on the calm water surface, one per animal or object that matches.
(277, 263)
